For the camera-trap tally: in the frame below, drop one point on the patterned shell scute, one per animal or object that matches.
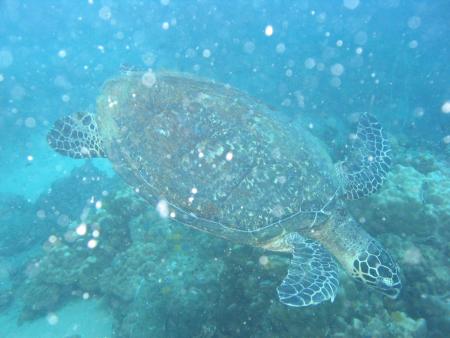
(214, 154)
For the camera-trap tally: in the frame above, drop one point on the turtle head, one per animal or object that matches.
(375, 267)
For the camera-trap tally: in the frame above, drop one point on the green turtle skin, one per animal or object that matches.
(221, 163)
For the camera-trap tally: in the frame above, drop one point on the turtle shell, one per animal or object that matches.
(214, 157)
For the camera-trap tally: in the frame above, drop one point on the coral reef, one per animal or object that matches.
(163, 280)
(421, 185)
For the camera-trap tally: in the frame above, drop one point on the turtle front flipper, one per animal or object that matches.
(364, 172)
(76, 136)
(312, 276)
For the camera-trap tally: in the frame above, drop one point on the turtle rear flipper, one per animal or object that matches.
(76, 136)
(364, 172)
(312, 276)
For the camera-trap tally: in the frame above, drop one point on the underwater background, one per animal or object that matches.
(318, 64)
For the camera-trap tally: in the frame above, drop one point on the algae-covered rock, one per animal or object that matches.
(164, 280)
(410, 202)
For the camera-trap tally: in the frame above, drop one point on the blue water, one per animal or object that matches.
(318, 64)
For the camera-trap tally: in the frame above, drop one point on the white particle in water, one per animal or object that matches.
(81, 229)
(86, 295)
(149, 58)
(288, 72)
(280, 48)
(6, 58)
(1, 77)
(65, 98)
(92, 243)
(414, 22)
(229, 156)
(419, 112)
(337, 69)
(96, 233)
(339, 43)
(446, 139)
(263, 260)
(30, 122)
(172, 214)
(52, 318)
(40, 214)
(105, 13)
(335, 82)
(361, 38)
(310, 63)
(149, 78)
(446, 107)
(206, 53)
(30, 158)
(268, 30)
(194, 190)
(98, 205)
(359, 50)
(165, 25)
(320, 66)
(62, 53)
(249, 47)
(163, 208)
(413, 44)
(52, 239)
(351, 4)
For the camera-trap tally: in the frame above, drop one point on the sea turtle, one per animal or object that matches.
(217, 160)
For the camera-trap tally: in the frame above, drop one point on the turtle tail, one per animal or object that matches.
(365, 170)
(76, 136)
